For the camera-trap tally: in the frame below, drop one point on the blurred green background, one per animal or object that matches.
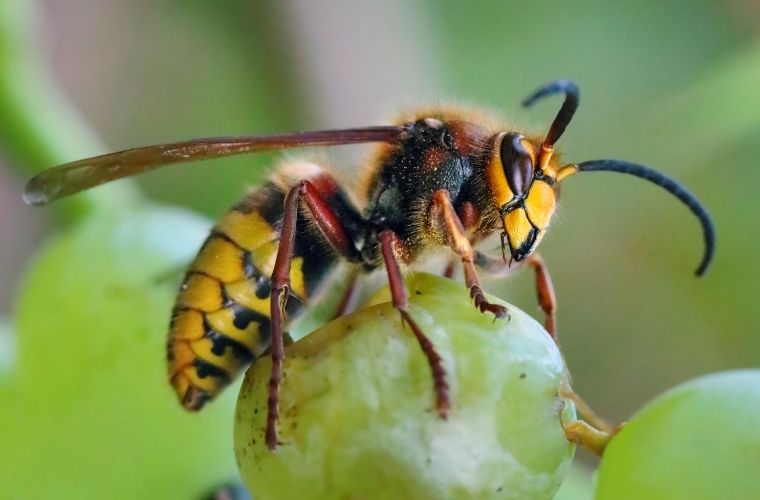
(674, 85)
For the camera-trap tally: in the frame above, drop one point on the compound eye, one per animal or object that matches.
(517, 164)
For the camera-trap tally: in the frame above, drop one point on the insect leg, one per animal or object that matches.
(452, 226)
(469, 215)
(545, 292)
(448, 271)
(544, 287)
(346, 304)
(329, 225)
(388, 242)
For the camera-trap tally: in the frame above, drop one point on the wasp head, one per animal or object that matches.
(523, 178)
(524, 189)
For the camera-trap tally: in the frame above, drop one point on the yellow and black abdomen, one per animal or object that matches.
(221, 320)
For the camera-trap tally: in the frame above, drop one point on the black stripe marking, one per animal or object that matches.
(318, 257)
(263, 286)
(206, 369)
(190, 308)
(220, 343)
(269, 202)
(249, 268)
(244, 316)
(227, 238)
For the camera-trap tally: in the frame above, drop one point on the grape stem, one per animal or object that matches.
(584, 409)
(583, 434)
(593, 432)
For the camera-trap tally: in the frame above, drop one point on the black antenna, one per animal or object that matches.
(670, 186)
(565, 113)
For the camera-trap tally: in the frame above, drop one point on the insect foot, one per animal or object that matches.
(482, 303)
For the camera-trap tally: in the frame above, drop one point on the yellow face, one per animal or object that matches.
(524, 193)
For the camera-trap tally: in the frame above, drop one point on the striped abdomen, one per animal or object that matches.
(220, 322)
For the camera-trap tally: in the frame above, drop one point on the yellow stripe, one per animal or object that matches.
(296, 278)
(182, 356)
(221, 259)
(181, 384)
(210, 384)
(201, 292)
(187, 325)
(228, 361)
(249, 230)
(264, 256)
(244, 293)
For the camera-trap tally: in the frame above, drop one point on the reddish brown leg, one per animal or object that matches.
(346, 303)
(448, 272)
(545, 291)
(329, 224)
(468, 214)
(452, 226)
(388, 243)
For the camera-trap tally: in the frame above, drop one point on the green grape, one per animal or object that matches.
(93, 415)
(577, 485)
(700, 440)
(357, 417)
